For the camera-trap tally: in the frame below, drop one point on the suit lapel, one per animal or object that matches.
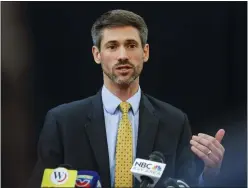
(148, 126)
(98, 139)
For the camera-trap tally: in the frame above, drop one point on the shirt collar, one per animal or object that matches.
(111, 102)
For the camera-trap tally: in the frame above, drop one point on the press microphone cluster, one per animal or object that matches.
(147, 172)
(63, 177)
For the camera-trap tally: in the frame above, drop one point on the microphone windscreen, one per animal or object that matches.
(157, 157)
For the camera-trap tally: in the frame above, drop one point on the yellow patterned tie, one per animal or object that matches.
(124, 150)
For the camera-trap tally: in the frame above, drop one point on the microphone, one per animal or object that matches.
(58, 177)
(174, 183)
(67, 166)
(148, 172)
(89, 179)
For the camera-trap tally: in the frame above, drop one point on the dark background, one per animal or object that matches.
(198, 58)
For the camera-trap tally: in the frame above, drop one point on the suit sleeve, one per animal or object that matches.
(185, 161)
(50, 150)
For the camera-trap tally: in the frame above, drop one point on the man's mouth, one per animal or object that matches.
(123, 67)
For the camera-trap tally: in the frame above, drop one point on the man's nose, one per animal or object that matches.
(122, 54)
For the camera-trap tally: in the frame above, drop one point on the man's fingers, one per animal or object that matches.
(201, 155)
(213, 140)
(206, 146)
(216, 158)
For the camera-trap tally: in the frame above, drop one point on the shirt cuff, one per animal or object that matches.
(201, 181)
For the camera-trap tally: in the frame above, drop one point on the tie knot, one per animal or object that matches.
(125, 106)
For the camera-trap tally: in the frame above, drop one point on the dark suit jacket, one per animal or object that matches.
(75, 134)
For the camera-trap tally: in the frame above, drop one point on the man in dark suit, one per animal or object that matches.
(88, 134)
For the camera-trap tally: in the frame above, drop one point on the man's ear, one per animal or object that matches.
(146, 52)
(96, 54)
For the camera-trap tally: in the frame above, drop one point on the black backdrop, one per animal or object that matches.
(197, 63)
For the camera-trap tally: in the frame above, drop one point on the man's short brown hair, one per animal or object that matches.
(116, 18)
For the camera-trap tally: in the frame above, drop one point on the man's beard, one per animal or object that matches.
(112, 76)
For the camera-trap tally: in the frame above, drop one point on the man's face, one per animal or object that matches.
(121, 55)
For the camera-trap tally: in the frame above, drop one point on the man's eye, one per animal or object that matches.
(112, 47)
(131, 45)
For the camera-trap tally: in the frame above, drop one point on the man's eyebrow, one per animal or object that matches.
(111, 41)
(131, 41)
(116, 42)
